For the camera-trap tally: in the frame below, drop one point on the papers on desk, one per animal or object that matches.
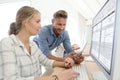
(89, 58)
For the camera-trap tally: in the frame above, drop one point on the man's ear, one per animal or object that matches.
(53, 20)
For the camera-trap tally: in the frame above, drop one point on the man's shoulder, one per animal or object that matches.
(46, 28)
(65, 32)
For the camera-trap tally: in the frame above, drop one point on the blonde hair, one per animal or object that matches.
(24, 13)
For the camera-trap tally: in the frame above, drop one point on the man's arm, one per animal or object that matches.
(67, 43)
(50, 56)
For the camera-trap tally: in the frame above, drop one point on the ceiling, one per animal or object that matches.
(87, 8)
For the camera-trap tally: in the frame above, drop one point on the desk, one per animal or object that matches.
(91, 67)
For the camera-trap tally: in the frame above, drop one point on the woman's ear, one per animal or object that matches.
(24, 22)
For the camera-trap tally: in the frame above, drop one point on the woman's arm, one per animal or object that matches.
(67, 74)
(68, 63)
(44, 78)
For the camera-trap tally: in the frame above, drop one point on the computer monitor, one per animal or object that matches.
(105, 42)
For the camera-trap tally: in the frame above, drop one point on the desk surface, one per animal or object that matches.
(90, 65)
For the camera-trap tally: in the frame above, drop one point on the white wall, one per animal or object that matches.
(75, 21)
(76, 24)
(8, 11)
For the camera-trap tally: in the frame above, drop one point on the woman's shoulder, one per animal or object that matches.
(6, 42)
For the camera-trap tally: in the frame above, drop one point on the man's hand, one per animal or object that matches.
(78, 58)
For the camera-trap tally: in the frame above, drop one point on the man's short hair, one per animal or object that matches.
(60, 14)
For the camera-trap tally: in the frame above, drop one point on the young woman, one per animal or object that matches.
(20, 58)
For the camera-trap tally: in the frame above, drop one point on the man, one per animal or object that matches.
(51, 36)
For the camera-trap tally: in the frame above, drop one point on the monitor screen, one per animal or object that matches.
(106, 41)
(103, 39)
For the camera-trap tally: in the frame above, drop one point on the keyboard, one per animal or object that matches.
(98, 75)
(82, 70)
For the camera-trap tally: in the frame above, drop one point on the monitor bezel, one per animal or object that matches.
(109, 75)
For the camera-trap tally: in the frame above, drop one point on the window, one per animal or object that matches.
(8, 14)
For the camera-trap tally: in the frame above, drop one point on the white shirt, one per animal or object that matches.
(17, 64)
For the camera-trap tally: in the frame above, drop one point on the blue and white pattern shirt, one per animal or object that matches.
(47, 40)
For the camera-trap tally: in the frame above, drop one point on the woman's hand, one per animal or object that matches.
(69, 62)
(68, 74)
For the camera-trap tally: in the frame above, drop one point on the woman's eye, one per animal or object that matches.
(38, 21)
